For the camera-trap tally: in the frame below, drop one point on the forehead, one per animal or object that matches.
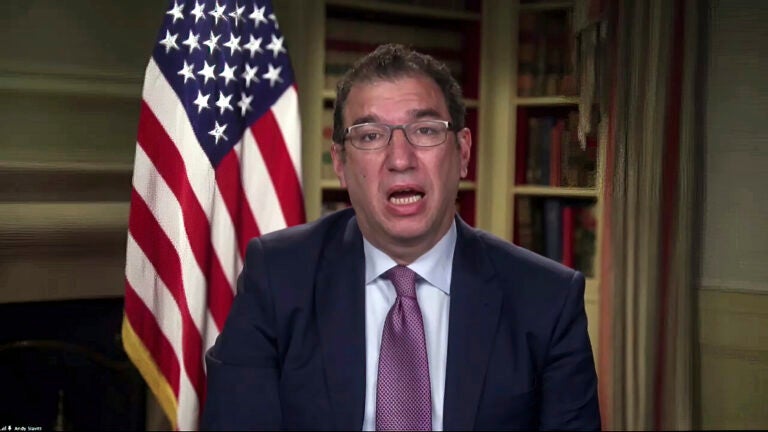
(394, 97)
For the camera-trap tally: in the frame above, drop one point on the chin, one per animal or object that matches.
(406, 231)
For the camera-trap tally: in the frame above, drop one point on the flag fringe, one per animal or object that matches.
(155, 380)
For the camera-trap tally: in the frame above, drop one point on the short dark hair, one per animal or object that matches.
(392, 61)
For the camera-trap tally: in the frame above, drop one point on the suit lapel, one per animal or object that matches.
(474, 314)
(340, 307)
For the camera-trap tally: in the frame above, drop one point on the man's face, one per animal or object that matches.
(404, 196)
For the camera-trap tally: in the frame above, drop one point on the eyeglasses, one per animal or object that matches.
(373, 136)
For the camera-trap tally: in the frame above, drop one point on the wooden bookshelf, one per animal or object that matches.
(544, 114)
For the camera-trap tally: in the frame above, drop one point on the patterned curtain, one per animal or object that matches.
(644, 57)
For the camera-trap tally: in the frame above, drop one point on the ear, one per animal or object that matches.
(339, 159)
(464, 137)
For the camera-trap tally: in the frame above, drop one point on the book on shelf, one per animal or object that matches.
(561, 229)
(545, 54)
(347, 40)
(553, 229)
(548, 152)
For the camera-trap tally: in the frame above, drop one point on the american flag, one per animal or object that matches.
(217, 163)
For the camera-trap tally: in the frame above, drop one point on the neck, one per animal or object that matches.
(406, 251)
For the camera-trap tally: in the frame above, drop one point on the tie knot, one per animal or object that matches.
(404, 280)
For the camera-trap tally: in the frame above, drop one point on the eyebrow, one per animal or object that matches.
(416, 114)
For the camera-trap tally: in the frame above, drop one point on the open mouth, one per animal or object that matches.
(405, 196)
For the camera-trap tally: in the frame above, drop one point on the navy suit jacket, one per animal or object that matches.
(292, 352)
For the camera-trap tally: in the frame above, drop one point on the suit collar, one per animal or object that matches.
(340, 308)
(474, 313)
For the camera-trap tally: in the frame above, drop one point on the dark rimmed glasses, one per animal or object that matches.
(373, 136)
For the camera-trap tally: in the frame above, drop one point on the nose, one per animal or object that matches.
(401, 154)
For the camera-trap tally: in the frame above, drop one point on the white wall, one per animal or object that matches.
(736, 219)
(734, 293)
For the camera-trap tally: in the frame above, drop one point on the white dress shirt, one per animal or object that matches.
(433, 289)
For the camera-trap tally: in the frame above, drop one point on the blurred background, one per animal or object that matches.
(71, 78)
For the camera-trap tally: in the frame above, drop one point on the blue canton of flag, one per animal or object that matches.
(228, 65)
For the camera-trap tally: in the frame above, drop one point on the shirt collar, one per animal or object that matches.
(434, 266)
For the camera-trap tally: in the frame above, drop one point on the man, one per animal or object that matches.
(396, 315)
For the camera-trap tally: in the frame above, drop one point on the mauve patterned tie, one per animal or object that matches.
(403, 394)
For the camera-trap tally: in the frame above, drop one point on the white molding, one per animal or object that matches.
(66, 167)
(405, 9)
(558, 191)
(546, 6)
(37, 218)
(737, 286)
(68, 81)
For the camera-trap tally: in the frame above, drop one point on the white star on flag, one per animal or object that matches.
(244, 103)
(228, 74)
(201, 101)
(276, 46)
(274, 18)
(273, 74)
(169, 41)
(207, 72)
(218, 12)
(237, 14)
(233, 44)
(254, 46)
(186, 71)
(258, 16)
(218, 132)
(198, 11)
(176, 12)
(250, 75)
(223, 103)
(213, 42)
(191, 41)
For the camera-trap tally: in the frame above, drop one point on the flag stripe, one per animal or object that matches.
(286, 112)
(228, 180)
(169, 164)
(277, 160)
(224, 238)
(159, 250)
(257, 184)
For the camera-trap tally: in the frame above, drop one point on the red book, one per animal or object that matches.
(555, 153)
(568, 228)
